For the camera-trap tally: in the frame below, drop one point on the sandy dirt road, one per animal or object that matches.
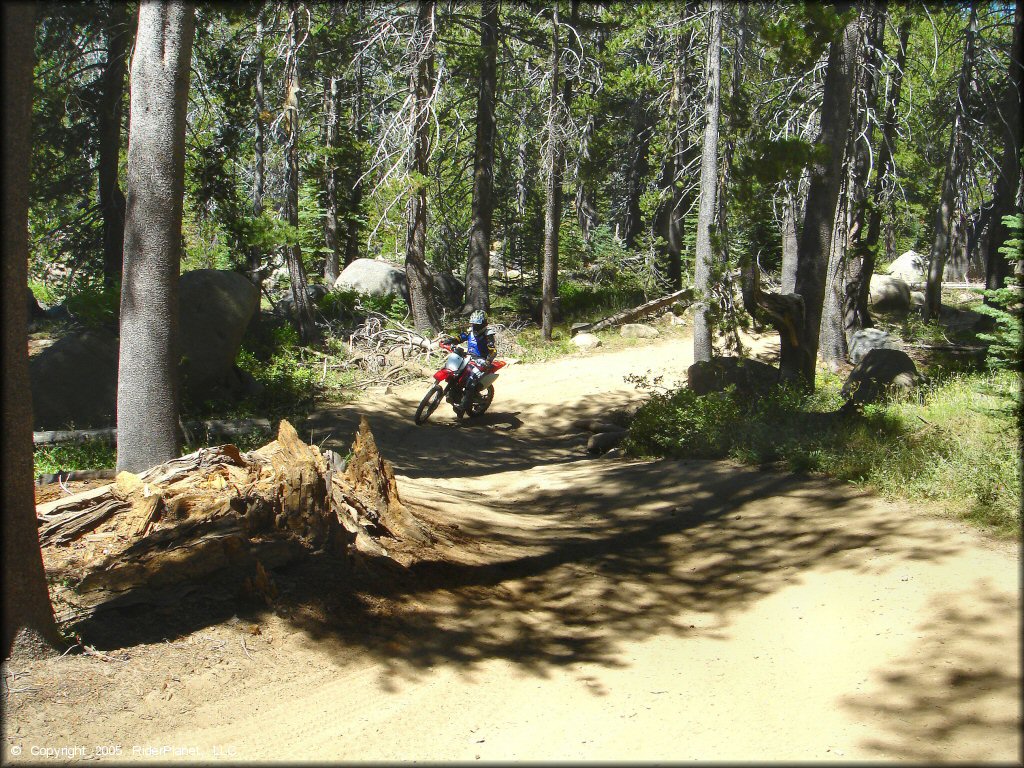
(598, 609)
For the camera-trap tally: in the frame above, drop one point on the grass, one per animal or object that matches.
(93, 454)
(956, 446)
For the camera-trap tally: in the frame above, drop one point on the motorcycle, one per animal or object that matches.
(451, 380)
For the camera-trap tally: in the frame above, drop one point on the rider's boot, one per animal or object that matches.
(467, 397)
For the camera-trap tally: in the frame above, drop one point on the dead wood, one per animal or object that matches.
(639, 312)
(149, 537)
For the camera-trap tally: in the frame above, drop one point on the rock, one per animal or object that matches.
(638, 331)
(917, 299)
(586, 341)
(215, 307)
(74, 382)
(597, 425)
(748, 375)
(881, 372)
(671, 318)
(889, 294)
(866, 339)
(614, 453)
(35, 312)
(373, 277)
(377, 277)
(605, 441)
(450, 289)
(910, 268)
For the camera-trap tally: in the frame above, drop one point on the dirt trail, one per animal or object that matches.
(600, 609)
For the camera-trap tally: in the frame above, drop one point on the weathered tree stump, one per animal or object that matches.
(144, 537)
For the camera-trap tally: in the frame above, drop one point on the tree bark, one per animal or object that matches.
(147, 380)
(789, 242)
(840, 318)
(256, 269)
(353, 219)
(671, 215)
(826, 178)
(421, 84)
(331, 240)
(553, 184)
(1009, 189)
(956, 159)
(705, 254)
(112, 82)
(27, 611)
(479, 260)
(303, 308)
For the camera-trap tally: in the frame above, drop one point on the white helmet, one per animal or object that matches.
(479, 317)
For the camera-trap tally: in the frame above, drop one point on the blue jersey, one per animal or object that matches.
(479, 346)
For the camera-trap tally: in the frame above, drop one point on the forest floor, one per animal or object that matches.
(583, 609)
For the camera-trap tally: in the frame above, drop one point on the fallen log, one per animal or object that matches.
(220, 516)
(214, 428)
(637, 313)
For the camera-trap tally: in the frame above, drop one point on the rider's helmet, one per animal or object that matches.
(478, 320)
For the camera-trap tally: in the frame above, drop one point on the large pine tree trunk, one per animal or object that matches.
(259, 159)
(705, 255)
(112, 80)
(840, 319)
(826, 179)
(479, 260)
(956, 162)
(303, 307)
(147, 380)
(553, 188)
(421, 81)
(27, 606)
(1009, 192)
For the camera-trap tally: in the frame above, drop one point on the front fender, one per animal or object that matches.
(442, 375)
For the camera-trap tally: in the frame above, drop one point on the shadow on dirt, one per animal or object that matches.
(951, 699)
(608, 553)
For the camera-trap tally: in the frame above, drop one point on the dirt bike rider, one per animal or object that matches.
(481, 348)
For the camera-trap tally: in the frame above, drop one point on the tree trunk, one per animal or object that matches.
(27, 610)
(956, 162)
(301, 304)
(421, 83)
(331, 240)
(885, 179)
(826, 179)
(147, 380)
(1009, 188)
(353, 226)
(789, 243)
(637, 170)
(479, 261)
(840, 319)
(553, 183)
(705, 254)
(670, 218)
(259, 161)
(112, 81)
(224, 518)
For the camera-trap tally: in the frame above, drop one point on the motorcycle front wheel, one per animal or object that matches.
(429, 403)
(481, 402)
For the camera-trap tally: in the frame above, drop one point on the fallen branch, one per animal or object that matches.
(638, 313)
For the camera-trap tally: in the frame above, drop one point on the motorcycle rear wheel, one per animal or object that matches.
(429, 403)
(481, 402)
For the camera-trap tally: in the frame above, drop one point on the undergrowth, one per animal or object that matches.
(956, 445)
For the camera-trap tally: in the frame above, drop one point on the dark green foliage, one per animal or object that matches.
(1004, 306)
(92, 454)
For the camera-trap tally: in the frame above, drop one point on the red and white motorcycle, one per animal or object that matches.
(451, 380)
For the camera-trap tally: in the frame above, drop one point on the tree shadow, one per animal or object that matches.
(951, 698)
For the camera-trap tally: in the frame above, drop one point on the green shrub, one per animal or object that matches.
(957, 445)
(93, 454)
(95, 306)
